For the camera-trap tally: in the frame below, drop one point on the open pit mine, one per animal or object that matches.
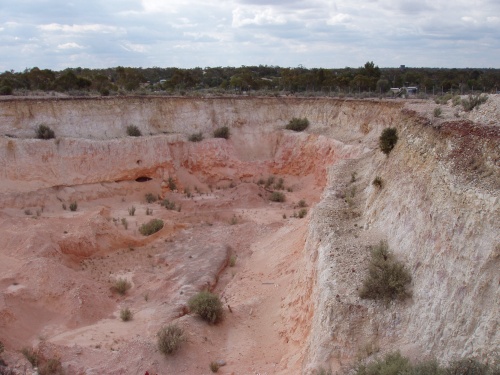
(278, 224)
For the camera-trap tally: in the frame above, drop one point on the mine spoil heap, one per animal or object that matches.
(112, 224)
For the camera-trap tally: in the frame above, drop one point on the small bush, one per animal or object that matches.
(150, 198)
(387, 278)
(126, 315)
(222, 132)
(473, 101)
(302, 213)
(378, 182)
(168, 204)
(64, 206)
(5, 90)
(214, 366)
(73, 206)
(395, 364)
(44, 132)
(170, 339)
(277, 196)
(302, 203)
(232, 261)
(280, 184)
(121, 286)
(151, 227)
(269, 181)
(388, 140)
(208, 306)
(298, 124)
(438, 112)
(52, 366)
(131, 211)
(468, 366)
(196, 137)
(391, 364)
(31, 355)
(149, 211)
(133, 131)
(2, 347)
(171, 184)
(125, 223)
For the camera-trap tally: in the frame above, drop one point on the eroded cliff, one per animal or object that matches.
(438, 210)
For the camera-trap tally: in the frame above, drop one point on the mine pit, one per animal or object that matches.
(275, 222)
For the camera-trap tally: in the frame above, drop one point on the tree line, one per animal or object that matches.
(368, 78)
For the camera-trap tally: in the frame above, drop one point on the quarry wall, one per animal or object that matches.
(439, 209)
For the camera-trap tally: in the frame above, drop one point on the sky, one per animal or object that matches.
(57, 34)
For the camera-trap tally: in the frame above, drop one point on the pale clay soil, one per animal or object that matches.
(85, 330)
(259, 334)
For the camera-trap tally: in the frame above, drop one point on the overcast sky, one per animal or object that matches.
(57, 34)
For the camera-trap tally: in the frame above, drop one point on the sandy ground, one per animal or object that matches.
(57, 278)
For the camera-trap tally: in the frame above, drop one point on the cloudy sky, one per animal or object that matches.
(57, 34)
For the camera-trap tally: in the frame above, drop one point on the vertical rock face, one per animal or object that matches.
(439, 210)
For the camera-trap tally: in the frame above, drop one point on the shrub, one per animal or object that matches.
(126, 315)
(2, 348)
(438, 112)
(232, 261)
(151, 227)
(387, 278)
(388, 140)
(277, 196)
(133, 131)
(302, 203)
(131, 211)
(298, 124)
(171, 184)
(280, 184)
(44, 132)
(5, 90)
(149, 211)
(302, 213)
(31, 355)
(269, 181)
(214, 366)
(395, 364)
(150, 198)
(378, 182)
(73, 206)
(196, 137)
(121, 286)
(473, 101)
(222, 132)
(170, 339)
(52, 366)
(207, 305)
(168, 204)
(124, 223)
(391, 364)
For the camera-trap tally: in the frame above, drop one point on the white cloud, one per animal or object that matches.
(85, 28)
(243, 16)
(338, 18)
(71, 45)
(188, 33)
(132, 47)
